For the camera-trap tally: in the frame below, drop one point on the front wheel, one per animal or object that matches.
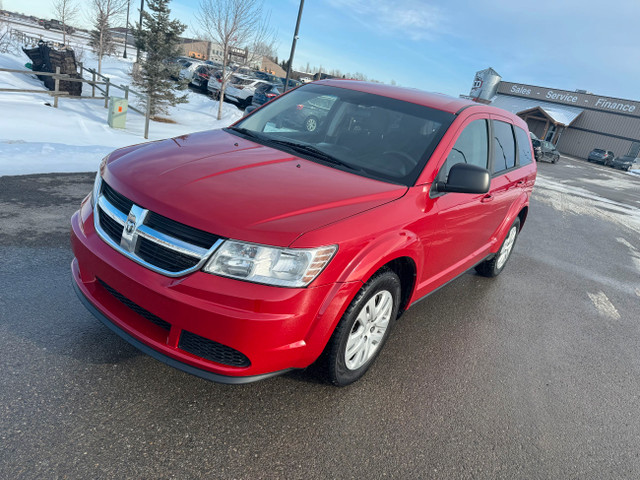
(495, 265)
(363, 329)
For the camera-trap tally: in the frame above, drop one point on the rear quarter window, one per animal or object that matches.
(504, 147)
(524, 147)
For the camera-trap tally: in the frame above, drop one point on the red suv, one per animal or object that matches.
(241, 253)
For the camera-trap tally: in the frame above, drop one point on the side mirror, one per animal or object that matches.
(249, 109)
(465, 178)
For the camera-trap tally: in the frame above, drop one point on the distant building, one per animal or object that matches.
(575, 121)
(206, 50)
(272, 67)
(194, 48)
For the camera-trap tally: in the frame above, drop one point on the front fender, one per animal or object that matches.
(381, 251)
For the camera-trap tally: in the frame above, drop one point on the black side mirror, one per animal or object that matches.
(465, 178)
(249, 109)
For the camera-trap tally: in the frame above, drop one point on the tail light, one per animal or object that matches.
(271, 95)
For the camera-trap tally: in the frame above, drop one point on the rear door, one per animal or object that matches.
(462, 218)
(506, 178)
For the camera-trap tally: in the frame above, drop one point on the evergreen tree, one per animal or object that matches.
(159, 38)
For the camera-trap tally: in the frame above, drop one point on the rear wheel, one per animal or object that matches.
(495, 265)
(363, 329)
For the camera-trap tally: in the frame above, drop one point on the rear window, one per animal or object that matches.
(597, 150)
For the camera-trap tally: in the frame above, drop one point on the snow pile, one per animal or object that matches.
(37, 138)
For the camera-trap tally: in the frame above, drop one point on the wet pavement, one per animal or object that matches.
(533, 374)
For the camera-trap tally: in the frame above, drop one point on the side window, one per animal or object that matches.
(471, 147)
(524, 150)
(504, 147)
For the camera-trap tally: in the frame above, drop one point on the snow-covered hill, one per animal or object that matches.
(37, 138)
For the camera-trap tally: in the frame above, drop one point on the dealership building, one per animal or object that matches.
(575, 121)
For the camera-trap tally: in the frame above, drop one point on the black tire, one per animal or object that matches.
(555, 159)
(311, 123)
(493, 266)
(334, 356)
(248, 101)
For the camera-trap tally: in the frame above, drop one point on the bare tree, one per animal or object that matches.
(103, 13)
(5, 38)
(66, 11)
(234, 24)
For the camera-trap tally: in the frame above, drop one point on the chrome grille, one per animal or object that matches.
(156, 242)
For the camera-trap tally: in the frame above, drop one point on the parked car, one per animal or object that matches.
(189, 69)
(267, 77)
(537, 149)
(242, 253)
(56, 25)
(626, 162)
(201, 76)
(548, 152)
(215, 83)
(292, 83)
(266, 92)
(307, 115)
(598, 155)
(241, 89)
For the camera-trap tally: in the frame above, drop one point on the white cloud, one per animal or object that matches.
(415, 19)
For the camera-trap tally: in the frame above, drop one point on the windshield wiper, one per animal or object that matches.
(246, 132)
(314, 152)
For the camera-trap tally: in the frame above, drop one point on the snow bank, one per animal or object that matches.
(37, 138)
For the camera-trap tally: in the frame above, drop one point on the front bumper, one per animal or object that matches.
(275, 329)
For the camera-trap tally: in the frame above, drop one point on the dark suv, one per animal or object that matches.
(599, 155)
(56, 25)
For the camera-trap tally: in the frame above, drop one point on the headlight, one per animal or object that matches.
(282, 267)
(97, 183)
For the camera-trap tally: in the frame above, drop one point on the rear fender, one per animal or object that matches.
(515, 209)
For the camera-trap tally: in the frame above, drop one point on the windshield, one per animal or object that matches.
(366, 134)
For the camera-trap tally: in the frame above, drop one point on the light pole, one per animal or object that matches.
(126, 31)
(139, 31)
(293, 46)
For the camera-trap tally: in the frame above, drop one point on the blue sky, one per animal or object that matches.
(439, 45)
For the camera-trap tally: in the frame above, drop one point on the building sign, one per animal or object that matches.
(612, 105)
(570, 98)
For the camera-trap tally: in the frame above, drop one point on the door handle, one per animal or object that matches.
(487, 198)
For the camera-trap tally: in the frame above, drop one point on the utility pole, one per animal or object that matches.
(126, 31)
(293, 46)
(139, 30)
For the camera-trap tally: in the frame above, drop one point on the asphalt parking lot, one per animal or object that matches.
(533, 374)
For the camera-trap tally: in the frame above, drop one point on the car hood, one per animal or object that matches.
(235, 188)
